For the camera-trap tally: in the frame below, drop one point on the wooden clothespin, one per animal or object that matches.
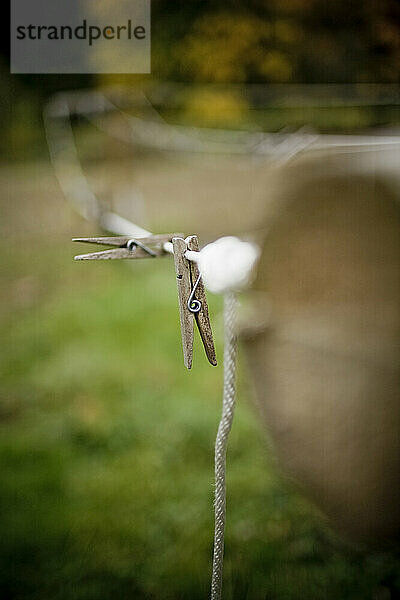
(191, 293)
(127, 247)
(192, 301)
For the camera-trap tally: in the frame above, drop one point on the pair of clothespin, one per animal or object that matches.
(192, 301)
(191, 293)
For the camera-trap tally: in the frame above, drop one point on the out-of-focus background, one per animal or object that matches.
(106, 442)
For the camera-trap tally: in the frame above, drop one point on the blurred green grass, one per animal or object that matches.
(106, 451)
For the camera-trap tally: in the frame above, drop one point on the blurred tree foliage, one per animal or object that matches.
(241, 41)
(305, 41)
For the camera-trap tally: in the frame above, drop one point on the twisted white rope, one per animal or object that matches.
(226, 266)
(228, 408)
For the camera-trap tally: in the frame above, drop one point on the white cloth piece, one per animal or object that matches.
(226, 264)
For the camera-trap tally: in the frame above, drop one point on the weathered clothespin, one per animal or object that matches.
(127, 247)
(192, 301)
(191, 292)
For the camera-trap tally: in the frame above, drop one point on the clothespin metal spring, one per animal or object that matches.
(193, 304)
(133, 244)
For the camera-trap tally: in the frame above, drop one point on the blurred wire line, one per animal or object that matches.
(150, 131)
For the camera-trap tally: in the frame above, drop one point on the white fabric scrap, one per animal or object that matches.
(226, 264)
